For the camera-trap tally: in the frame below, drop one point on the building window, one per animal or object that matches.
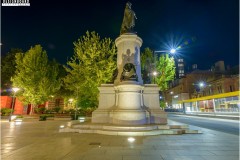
(180, 60)
(181, 71)
(180, 65)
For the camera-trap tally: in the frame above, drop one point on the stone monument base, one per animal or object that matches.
(129, 117)
(129, 104)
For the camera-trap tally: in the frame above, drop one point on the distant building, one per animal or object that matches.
(219, 67)
(194, 67)
(180, 68)
(185, 87)
(219, 91)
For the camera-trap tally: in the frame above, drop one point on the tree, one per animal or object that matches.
(8, 67)
(147, 64)
(165, 68)
(36, 76)
(92, 64)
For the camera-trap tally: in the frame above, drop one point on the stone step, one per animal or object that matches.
(178, 126)
(124, 130)
(124, 133)
(111, 127)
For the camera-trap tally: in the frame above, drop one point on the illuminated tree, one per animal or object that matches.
(36, 76)
(92, 64)
(165, 68)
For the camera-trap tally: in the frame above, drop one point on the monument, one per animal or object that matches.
(128, 107)
(128, 101)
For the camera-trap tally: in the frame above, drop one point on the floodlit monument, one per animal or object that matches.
(128, 101)
(128, 107)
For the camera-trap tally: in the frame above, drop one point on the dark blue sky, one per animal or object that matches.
(206, 30)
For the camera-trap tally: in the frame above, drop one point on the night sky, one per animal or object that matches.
(206, 30)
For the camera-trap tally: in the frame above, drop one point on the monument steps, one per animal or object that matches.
(126, 130)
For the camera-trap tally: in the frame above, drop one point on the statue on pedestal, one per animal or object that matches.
(128, 19)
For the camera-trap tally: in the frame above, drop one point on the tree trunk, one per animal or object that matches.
(32, 109)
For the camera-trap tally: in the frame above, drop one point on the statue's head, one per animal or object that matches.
(129, 4)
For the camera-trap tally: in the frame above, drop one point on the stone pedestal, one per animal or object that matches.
(129, 104)
(129, 109)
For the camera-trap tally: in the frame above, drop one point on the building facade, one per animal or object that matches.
(218, 93)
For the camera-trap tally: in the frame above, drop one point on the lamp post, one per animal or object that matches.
(13, 103)
(70, 101)
(75, 114)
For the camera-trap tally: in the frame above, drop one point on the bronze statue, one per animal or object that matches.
(128, 19)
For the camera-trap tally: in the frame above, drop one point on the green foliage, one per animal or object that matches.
(36, 75)
(146, 64)
(146, 57)
(162, 104)
(43, 117)
(8, 67)
(166, 71)
(5, 111)
(57, 109)
(92, 64)
(40, 110)
(19, 116)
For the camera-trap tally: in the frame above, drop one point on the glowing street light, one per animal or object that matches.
(13, 103)
(201, 84)
(172, 50)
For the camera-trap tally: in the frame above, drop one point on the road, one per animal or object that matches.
(223, 125)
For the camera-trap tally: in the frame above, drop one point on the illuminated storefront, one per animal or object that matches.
(227, 102)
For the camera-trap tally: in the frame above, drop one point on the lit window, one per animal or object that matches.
(180, 60)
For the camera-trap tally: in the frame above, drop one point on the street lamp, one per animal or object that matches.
(154, 74)
(172, 51)
(201, 84)
(13, 103)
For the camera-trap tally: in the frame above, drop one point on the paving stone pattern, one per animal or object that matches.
(41, 140)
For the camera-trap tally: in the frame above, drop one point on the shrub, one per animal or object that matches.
(43, 117)
(56, 109)
(40, 110)
(19, 116)
(6, 111)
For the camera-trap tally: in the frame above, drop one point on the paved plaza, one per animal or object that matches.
(41, 140)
